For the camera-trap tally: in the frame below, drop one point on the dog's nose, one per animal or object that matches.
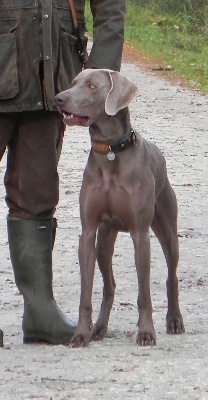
(60, 99)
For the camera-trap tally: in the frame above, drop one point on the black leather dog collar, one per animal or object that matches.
(122, 144)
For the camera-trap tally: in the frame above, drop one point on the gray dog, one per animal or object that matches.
(125, 188)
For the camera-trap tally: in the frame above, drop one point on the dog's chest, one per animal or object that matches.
(116, 193)
(118, 200)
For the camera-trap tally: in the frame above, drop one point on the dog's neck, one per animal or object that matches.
(109, 129)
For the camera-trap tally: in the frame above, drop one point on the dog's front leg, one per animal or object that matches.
(106, 238)
(87, 257)
(146, 332)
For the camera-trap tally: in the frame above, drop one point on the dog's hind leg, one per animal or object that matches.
(164, 225)
(106, 238)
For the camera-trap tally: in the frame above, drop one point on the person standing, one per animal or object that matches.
(38, 59)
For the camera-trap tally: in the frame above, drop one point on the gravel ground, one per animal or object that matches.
(177, 367)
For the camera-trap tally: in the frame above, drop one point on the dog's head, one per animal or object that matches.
(94, 92)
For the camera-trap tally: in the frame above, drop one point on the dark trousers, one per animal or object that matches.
(34, 140)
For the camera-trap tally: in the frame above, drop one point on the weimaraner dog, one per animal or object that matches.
(125, 188)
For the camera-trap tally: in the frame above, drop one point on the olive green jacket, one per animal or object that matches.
(36, 33)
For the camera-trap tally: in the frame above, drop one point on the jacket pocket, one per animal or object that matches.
(70, 63)
(7, 25)
(8, 59)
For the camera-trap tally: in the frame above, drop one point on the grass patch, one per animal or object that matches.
(170, 39)
(167, 38)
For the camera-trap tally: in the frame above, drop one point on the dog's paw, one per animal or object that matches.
(174, 324)
(79, 340)
(146, 339)
(98, 332)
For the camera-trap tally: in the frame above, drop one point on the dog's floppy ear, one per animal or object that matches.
(120, 94)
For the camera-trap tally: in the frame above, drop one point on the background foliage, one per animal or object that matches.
(194, 10)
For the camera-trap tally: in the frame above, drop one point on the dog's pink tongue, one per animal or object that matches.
(71, 120)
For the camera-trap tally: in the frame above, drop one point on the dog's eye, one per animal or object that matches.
(91, 86)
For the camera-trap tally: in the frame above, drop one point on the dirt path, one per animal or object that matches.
(176, 120)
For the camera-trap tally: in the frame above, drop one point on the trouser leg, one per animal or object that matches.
(31, 180)
(7, 126)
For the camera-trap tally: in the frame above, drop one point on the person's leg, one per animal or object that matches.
(7, 123)
(31, 180)
(32, 194)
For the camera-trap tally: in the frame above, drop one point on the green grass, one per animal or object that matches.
(169, 39)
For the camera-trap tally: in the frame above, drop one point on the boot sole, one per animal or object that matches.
(47, 340)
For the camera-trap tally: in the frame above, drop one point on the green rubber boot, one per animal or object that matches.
(30, 243)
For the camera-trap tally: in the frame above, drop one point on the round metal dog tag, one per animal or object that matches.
(111, 156)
